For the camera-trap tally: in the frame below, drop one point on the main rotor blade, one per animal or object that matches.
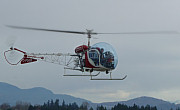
(89, 32)
(150, 32)
(51, 30)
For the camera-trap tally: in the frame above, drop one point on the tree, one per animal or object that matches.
(147, 107)
(63, 106)
(56, 105)
(178, 108)
(84, 106)
(101, 108)
(73, 106)
(135, 107)
(91, 108)
(22, 105)
(121, 107)
(5, 106)
(31, 107)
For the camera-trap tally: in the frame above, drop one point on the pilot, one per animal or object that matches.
(101, 52)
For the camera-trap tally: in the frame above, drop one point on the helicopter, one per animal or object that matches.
(100, 57)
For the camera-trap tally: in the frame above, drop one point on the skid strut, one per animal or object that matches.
(93, 75)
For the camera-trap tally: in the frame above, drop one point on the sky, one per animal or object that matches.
(151, 62)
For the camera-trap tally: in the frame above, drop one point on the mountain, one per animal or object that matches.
(11, 94)
(38, 95)
(143, 101)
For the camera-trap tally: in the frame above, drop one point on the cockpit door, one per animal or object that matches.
(94, 56)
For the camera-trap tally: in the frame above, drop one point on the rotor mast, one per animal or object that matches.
(89, 32)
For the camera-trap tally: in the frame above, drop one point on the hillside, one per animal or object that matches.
(11, 94)
(38, 95)
(143, 101)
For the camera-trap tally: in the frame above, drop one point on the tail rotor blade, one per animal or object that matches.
(11, 41)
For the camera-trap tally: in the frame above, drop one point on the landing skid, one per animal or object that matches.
(109, 78)
(82, 74)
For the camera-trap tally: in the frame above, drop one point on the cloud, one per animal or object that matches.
(102, 94)
(169, 94)
(116, 95)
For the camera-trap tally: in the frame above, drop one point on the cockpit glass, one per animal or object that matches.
(107, 54)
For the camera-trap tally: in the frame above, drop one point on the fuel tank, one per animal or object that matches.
(81, 48)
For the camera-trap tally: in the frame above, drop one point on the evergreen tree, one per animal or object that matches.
(63, 106)
(52, 103)
(5, 106)
(91, 108)
(73, 106)
(178, 108)
(56, 105)
(101, 108)
(31, 107)
(120, 107)
(84, 106)
(147, 107)
(142, 108)
(135, 107)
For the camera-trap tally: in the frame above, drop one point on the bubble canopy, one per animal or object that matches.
(108, 55)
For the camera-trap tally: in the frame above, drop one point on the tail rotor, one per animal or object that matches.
(12, 56)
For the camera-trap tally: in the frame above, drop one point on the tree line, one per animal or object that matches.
(51, 105)
(55, 105)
